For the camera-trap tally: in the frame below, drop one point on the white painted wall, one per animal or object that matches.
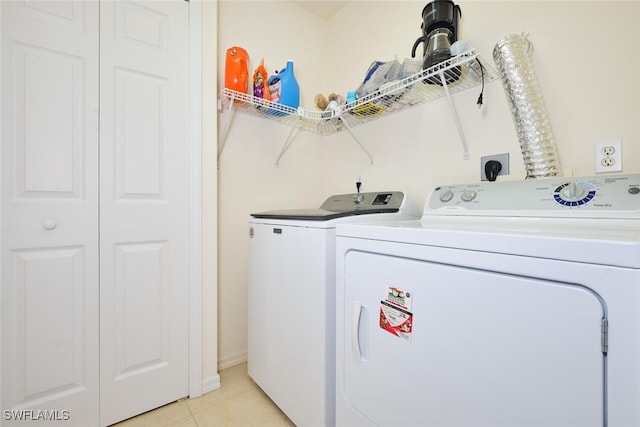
(586, 59)
(248, 179)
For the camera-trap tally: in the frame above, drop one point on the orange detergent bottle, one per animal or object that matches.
(236, 74)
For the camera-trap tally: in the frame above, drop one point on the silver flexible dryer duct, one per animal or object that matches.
(512, 55)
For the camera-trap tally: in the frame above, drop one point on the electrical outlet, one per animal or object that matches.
(608, 150)
(608, 156)
(502, 158)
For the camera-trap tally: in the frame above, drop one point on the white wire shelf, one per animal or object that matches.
(455, 75)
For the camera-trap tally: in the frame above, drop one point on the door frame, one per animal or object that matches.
(1, 184)
(195, 198)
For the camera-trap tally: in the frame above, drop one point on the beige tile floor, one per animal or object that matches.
(239, 402)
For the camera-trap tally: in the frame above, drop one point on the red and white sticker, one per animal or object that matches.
(395, 313)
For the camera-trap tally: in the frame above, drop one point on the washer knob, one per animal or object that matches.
(358, 199)
(446, 196)
(468, 195)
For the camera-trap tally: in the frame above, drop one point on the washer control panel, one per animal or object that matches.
(350, 202)
(612, 196)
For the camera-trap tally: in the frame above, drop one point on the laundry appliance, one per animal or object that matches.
(291, 299)
(508, 304)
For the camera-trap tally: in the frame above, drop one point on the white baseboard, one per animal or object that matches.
(213, 382)
(210, 383)
(227, 362)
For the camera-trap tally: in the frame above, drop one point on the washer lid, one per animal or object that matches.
(342, 205)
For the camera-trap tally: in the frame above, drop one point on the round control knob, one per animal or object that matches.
(446, 196)
(49, 224)
(358, 199)
(468, 195)
(573, 191)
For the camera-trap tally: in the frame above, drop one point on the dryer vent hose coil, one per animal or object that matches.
(512, 56)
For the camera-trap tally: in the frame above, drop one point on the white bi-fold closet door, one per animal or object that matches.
(94, 208)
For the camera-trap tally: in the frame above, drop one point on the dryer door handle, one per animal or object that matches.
(358, 331)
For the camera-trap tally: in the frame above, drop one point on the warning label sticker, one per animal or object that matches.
(395, 313)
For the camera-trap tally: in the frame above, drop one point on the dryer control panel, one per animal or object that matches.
(613, 196)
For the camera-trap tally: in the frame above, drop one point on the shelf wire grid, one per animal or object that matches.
(459, 73)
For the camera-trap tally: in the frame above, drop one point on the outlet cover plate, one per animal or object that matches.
(502, 158)
(608, 157)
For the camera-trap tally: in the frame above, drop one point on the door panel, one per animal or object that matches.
(141, 134)
(502, 347)
(143, 342)
(50, 209)
(67, 14)
(43, 320)
(47, 81)
(143, 206)
(48, 359)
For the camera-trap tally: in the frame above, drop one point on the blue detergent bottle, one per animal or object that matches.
(285, 86)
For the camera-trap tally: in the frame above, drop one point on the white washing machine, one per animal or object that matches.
(291, 301)
(508, 304)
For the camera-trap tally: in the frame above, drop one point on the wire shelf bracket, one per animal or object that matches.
(355, 138)
(287, 143)
(454, 113)
(225, 127)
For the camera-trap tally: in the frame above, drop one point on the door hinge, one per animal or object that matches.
(604, 332)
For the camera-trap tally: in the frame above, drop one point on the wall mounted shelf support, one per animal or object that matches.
(287, 143)
(454, 113)
(225, 127)
(353, 135)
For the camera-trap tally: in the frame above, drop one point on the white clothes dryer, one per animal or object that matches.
(291, 299)
(508, 304)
